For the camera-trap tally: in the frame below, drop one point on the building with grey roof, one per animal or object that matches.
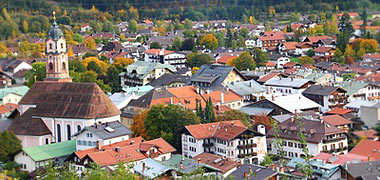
(250, 90)
(356, 104)
(215, 77)
(359, 90)
(286, 86)
(253, 172)
(141, 73)
(362, 170)
(326, 96)
(170, 80)
(106, 133)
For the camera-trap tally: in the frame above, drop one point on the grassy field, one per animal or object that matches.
(294, 60)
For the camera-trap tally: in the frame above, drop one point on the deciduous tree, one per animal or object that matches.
(209, 41)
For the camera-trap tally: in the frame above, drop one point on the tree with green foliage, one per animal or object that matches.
(155, 45)
(188, 45)
(177, 43)
(259, 56)
(199, 110)
(198, 59)
(10, 145)
(38, 72)
(209, 41)
(94, 67)
(244, 62)
(165, 121)
(305, 60)
(132, 26)
(268, 161)
(235, 115)
(188, 24)
(306, 167)
(78, 38)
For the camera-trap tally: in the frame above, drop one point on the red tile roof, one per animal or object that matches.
(353, 14)
(367, 148)
(339, 111)
(289, 64)
(225, 130)
(272, 38)
(372, 56)
(9, 107)
(127, 153)
(187, 96)
(270, 64)
(290, 45)
(314, 39)
(370, 133)
(336, 120)
(339, 159)
(268, 76)
(158, 52)
(229, 96)
(223, 166)
(322, 49)
(225, 58)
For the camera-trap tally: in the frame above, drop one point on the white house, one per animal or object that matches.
(286, 86)
(281, 61)
(250, 43)
(32, 158)
(163, 56)
(320, 137)
(106, 133)
(230, 139)
(357, 90)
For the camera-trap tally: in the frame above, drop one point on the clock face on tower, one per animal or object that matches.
(56, 56)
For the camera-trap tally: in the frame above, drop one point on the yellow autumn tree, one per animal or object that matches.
(89, 42)
(103, 65)
(123, 62)
(134, 13)
(70, 52)
(69, 37)
(3, 50)
(194, 70)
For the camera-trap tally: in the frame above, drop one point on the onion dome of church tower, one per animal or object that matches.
(54, 33)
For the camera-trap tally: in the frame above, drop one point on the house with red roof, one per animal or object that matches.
(225, 58)
(338, 121)
(287, 48)
(163, 56)
(230, 139)
(368, 148)
(129, 151)
(339, 159)
(265, 42)
(371, 57)
(323, 53)
(302, 48)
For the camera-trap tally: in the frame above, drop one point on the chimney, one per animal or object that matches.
(281, 170)
(272, 167)
(245, 174)
(199, 160)
(171, 100)
(369, 158)
(99, 144)
(272, 97)
(106, 124)
(181, 165)
(221, 98)
(143, 166)
(292, 119)
(117, 149)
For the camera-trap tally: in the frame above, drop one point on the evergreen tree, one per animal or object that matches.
(209, 115)
(199, 110)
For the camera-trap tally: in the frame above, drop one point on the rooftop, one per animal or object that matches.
(50, 151)
(287, 82)
(107, 130)
(367, 148)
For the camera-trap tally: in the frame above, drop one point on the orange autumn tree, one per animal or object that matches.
(209, 41)
(366, 45)
(137, 125)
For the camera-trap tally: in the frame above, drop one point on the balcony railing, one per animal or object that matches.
(247, 146)
(247, 155)
(333, 139)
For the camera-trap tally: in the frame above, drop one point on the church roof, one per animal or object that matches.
(28, 125)
(69, 100)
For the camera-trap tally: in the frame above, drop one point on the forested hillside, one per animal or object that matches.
(199, 9)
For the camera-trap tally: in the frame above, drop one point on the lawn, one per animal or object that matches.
(294, 60)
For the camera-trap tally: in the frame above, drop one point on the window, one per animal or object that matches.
(63, 65)
(62, 45)
(50, 66)
(192, 140)
(324, 148)
(78, 128)
(332, 146)
(68, 130)
(84, 143)
(47, 141)
(50, 46)
(291, 154)
(290, 144)
(59, 138)
(89, 143)
(193, 149)
(79, 142)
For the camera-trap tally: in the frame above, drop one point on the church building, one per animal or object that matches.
(56, 108)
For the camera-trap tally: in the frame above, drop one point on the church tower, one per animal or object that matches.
(57, 64)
